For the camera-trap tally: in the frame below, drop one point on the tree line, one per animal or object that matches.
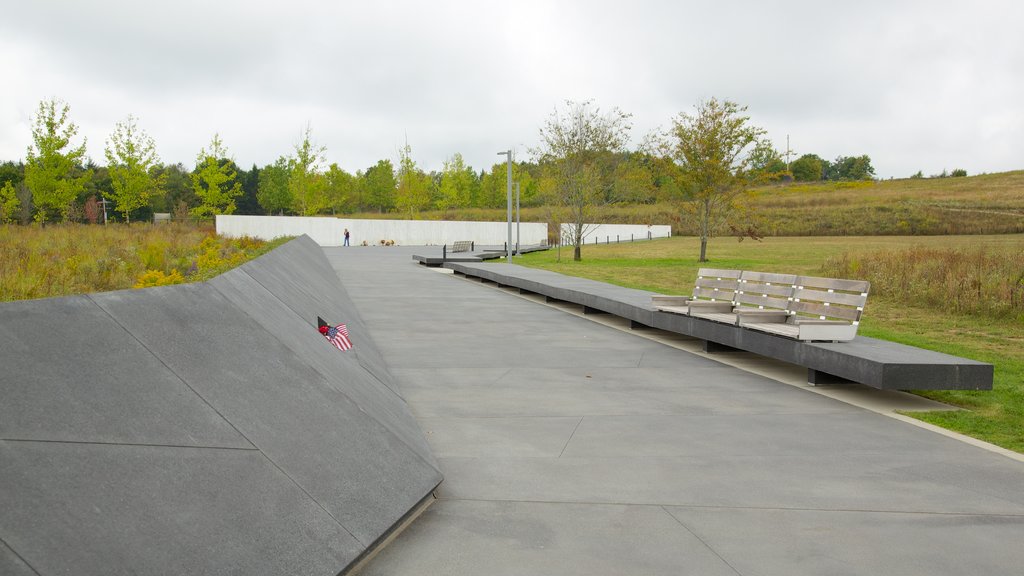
(58, 182)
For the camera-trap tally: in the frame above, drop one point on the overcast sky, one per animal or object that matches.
(915, 85)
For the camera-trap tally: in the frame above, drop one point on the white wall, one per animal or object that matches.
(328, 231)
(607, 232)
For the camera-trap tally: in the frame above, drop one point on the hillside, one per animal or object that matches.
(985, 204)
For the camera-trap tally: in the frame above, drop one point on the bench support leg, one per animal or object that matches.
(552, 300)
(712, 347)
(634, 325)
(589, 310)
(818, 378)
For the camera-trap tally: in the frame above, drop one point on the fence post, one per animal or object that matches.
(444, 253)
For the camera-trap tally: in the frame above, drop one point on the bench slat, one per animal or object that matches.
(816, 309)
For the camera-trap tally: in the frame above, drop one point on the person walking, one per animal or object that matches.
(346, 236)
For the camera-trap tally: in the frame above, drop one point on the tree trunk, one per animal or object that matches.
(703, 249)
(576, 253)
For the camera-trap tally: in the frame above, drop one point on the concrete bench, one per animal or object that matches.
(869, 361)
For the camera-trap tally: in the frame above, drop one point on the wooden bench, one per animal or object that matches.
(801, 307)
(714, 290)
(461, 246)
(820, 309)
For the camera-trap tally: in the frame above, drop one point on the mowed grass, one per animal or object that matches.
(902, 309)
(60, 260)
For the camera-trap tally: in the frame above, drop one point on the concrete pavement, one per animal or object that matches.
(569, 447)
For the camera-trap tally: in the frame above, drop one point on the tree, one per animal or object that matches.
(413, 190)
(456, 184)
(851, 168)
(340, 185)
(379, 186)
(713, 149)
(131, 160)
(577, 157)
(9, 203)
(766, 161)
(247, 202)
(306, 182)
(214, 181)
(51, 163)
(633, 180)
(808, 168)
(274, 194)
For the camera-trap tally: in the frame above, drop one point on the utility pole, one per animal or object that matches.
(789, 152)
(508, 203)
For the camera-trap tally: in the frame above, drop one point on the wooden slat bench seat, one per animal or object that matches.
(461, 246)
(714, 291)
(820, 309)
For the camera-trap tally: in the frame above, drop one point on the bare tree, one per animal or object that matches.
(577, 154)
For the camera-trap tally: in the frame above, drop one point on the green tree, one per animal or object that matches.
(214, 181)
(131, 162)
(9, 203)
(306, 183)
(379, 186)
(851, 168)
(577, 155)
(766, 162)
(413, 191)
(713, 149)
(340, 185)
(51, 168)
(456, 186)
(274, 195)
(633, 180)
(808, 168)
(247, 202)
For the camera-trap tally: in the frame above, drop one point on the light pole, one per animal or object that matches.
(508, 202)
(518, 219)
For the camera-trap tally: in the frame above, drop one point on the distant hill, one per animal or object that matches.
(985, 204)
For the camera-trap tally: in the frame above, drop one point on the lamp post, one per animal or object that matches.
(518, 219)
(508, 202)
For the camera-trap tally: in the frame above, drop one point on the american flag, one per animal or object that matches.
(338, 335)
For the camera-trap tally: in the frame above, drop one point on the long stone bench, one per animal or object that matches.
(869, 361)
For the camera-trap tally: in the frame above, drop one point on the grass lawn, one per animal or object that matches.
(904, 314)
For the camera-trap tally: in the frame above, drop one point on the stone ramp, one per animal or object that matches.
(201, 429)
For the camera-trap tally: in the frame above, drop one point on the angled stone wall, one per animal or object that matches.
(201, 429)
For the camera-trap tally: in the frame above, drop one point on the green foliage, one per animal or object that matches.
(131, 158)
(578, 155)
(713, 148)
(214, 182)
(851, 168)
(306, 183)
(808, 168)
(9, 203)
(916, 175)
(340, 189)
(413, 191)
(457, 183)
(274, 195)
(52, 165)
(958, 173)
(379, 186)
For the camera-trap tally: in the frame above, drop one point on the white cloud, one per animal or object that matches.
(915, 85)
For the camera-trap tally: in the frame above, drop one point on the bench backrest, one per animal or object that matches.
(766, 290)
(461, 246)
(716, 285)
(829, 298)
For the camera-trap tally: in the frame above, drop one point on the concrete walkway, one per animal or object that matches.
(569, 447)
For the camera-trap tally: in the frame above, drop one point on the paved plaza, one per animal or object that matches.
(571, 447)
